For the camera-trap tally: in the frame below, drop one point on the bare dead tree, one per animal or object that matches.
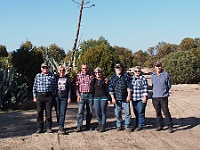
(81, 5)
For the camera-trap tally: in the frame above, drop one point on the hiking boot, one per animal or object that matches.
(159, 128)
(170, 130)
(49, 130)
(128, 129)
(78, 129)
(139, 129)
(102, 128)
(61, 131)
(39, 131)
(119, 128)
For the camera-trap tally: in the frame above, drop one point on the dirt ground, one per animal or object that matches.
(17, 129)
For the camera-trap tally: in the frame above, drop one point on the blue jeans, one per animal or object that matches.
(139, 111)
(61, 111)
(86, 99)
(100, 107)
(118, 113)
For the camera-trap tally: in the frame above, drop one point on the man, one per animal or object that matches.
(161, 85)
(43, 90)
(84, 93)
(120, 91)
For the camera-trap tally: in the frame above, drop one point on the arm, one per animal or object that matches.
(77, 89)
(145, 90)
(69, 90)
(111, 91)
(35, 89)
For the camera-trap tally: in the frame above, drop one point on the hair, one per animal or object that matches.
(61, 67)
(98, 69)
(137, 67)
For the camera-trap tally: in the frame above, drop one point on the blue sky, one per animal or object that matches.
(133, 24)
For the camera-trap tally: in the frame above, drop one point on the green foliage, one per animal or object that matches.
(98, 54)
(187, 44)
(139, 58)
(3, 51)
(183, 67)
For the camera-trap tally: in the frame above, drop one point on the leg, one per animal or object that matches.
(135, 110)
(80, 115)
(141, 113)
(97, 110)
(165, 108)
(40, 111)
(157, 106)
(118, 113)
(48, 110)
(89, 104)
(103, 104)
(63, 107)
(126, 107)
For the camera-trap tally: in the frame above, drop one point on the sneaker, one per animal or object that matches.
(97, 128)
(119, 128)
(61, 131)
(49, 131)
(159, 128)
(39, 131)
(139, 129)
(78, 129)
(128, 129)
(102, 128)
(170, 130)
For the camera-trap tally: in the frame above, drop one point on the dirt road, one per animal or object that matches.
(17, 129)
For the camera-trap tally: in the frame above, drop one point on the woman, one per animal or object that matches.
(100, 99)
(63, 97)
(139, 97)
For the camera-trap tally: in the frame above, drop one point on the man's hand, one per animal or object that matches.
(35, 99)
(69, 100)
(78, 98)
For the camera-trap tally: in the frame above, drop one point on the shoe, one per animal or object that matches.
(170, 130)
(78, 129)
(49, 131)
(159, 128)
(98, 128)
(61, 131)
(119, 128)
(88, 127)
(102, 128)
(128, 129)
(139, 129)
(39, 131)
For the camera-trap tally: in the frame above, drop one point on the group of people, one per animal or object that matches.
(92, 89)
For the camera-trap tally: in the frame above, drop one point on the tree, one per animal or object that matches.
(165, 49)
(98, 53)
(186, 44)
(183, 67)
(3, 51)
(125, 56)
(139, 58)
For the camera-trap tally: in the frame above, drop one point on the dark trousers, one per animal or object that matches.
(44, 103)
(162, 103)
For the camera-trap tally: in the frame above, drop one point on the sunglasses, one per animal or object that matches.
(85, 68)
(137, 71)
(45, 67)
(62, 70)
(158, 66)
(118, 67)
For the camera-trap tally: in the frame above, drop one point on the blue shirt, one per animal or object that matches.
(139, 88)
(44, 83)
(118, 86)
(161, 84)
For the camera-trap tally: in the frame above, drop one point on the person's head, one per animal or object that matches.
(137, 71)
(98, 72)
(84, 68)
(61, 70)
(158, 66)
(44, 68)
(118, 69)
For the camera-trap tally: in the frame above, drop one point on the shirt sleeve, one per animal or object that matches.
(145, 87)
(35, 86)
(110, 87)
(77, 86)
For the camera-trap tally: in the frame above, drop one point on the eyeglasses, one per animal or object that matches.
(118, 67)
(158, 66)
(62, 70)
(137, 71)
(97, 72)
(85, 68)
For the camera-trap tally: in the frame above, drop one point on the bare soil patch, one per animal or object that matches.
(17, 129)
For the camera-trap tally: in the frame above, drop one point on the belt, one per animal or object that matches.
(86, 92)
(44, 92)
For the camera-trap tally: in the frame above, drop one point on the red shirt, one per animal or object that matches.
(84, 83)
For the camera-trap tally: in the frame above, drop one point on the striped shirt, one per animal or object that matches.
(119, 86)
(139, 87)
(44, 83)
(84, 83)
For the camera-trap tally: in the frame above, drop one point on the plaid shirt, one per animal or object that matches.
(139, 87)
(119, 86)
(44, 83)
(84, 83)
